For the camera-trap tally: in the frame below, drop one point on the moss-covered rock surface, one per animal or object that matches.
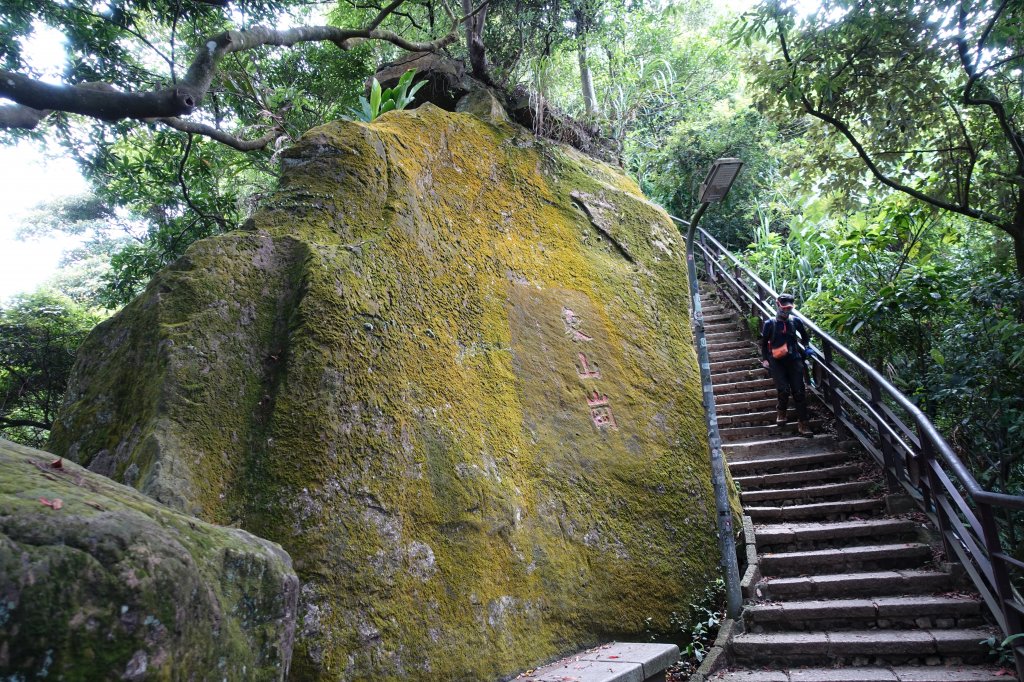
(99, 582)
(448, 366)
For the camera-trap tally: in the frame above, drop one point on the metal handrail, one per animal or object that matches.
(926, 467)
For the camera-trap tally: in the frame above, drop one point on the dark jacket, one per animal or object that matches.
(776, 331)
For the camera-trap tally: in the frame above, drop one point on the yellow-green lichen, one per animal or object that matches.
(98, 582)
(383, 374)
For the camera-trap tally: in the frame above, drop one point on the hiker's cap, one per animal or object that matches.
(784, 300)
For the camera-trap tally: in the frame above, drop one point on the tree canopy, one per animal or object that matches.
(926, 94)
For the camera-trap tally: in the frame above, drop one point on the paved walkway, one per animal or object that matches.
(847, 592)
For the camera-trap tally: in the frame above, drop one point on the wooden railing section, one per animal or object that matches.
(914, 456)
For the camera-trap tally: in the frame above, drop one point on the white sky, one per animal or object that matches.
(26, 179)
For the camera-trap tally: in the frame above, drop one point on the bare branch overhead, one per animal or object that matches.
(34, 99)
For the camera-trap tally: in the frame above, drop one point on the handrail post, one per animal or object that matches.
(884, 442)
(833, 391)
(708, 264)
(1013, 623)
(929, 485)
(754, 310)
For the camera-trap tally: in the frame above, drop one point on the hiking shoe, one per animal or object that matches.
(804, 429)
(780, 418)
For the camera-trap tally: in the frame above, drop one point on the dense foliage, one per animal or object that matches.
(39, 334)
(923, 97)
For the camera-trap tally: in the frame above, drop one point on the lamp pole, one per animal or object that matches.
(720, 178)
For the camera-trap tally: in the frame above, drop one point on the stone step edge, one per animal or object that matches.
(896, 673)
(764, 481)
(795, 511)
(878, 607)
(891, 582)
(798, 462)
(785, 533)
(808, 491)
(613, 662)
(922, 642)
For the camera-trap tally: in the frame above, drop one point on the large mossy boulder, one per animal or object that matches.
(99, 582)
(448, 366)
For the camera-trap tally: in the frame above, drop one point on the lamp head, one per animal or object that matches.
(720, 178)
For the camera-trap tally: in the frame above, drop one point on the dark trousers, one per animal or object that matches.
(789, 381)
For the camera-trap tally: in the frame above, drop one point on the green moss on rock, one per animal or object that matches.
(113, 586)
(388, 372)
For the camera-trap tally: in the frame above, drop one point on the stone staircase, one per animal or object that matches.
(843, 591)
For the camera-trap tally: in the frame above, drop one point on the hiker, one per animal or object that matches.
(782, 357)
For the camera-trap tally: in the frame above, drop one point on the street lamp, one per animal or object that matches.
(720, 178)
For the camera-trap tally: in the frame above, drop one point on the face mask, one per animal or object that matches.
(784, 312)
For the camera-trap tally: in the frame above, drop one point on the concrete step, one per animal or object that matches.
(763, 404)
(861, 647)
(784, 496)
(739, 391)
(724, 335)
(804, 536)
(732, 350)
(746, 361)
(901, 673)
(717, 316)
(825, 511)
(722, 331)
(612, 662)
(742, 433)
(736, 376)
(758, 418)
(843, 472)
(721, 349)
(920, 611)
(856, 584)
(798, 462)
(770, 448)
(856, 558)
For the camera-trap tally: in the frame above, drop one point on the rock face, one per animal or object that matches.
(98, 582)
(448, 367)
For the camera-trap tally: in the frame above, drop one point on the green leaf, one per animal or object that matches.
(374, 100)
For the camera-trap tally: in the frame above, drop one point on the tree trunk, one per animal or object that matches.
(475, 41)
(1017, 232)
(586, 78)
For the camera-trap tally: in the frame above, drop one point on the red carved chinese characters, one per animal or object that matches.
(599, 404)
(584, 370)
(601, 410)
(573, 324)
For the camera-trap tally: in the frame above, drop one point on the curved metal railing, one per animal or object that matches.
(916, 459)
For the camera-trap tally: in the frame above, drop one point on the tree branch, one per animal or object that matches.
(809, 107)
(104, 102)
(188, 198)
(17, 116)
(1014, 138)
(889, 182)
(242, 145)
(7, 423)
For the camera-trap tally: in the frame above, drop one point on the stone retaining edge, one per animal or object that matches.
(752, 575)
(717, 659)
